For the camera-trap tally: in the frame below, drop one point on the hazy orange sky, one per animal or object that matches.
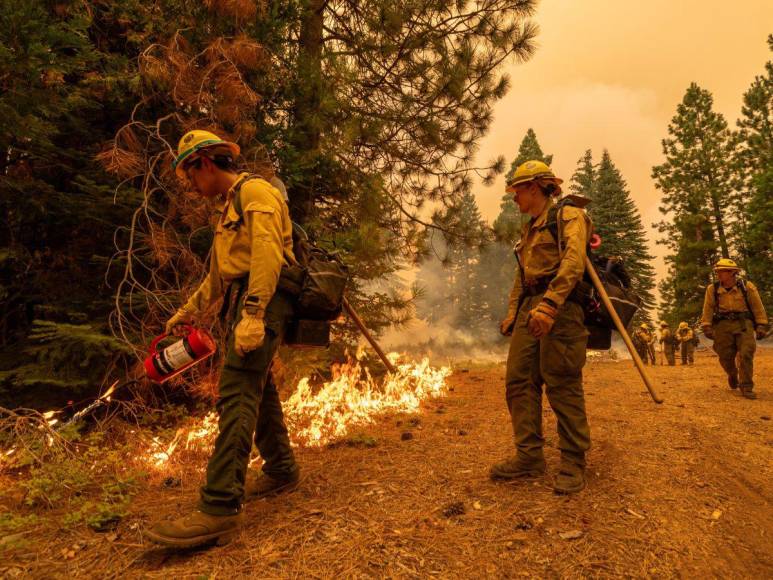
(610, 73)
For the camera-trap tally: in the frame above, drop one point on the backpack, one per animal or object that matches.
(317, 282)
(614, 278)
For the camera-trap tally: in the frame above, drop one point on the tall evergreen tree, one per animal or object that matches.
(754, 157)
(696, 181)
(584, 177)
(66, 85)
(617, 220)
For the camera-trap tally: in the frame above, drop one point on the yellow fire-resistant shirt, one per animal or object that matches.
(665, 335)
(539, 255)
(257, 247)
(731, 300)
(684, 334)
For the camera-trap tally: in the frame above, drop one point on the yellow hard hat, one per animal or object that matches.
(531, 171)
(663, 324)
(644, 327)
(193, 142)
(726, 264)
(682, 325)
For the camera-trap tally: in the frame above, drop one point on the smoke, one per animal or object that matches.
(441, 340)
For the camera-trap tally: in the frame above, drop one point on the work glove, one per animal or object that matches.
(174, 324)
(541, 319)
(709, 332)
(761, 331)
(249, 334)
(506, 326)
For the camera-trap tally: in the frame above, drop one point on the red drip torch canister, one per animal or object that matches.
(595, 241)
(196, 346)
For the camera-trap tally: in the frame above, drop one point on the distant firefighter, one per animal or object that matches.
(644, 341)
(733, 315)
(668, 343)
(686, 338)
(546, 321)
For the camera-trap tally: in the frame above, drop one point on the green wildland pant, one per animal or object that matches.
(688, 352)
(736, 337)
(651, 352)
(250, 409)
(556, 361)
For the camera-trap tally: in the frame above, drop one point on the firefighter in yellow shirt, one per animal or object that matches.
(733, 316)
(668, 343)
(686, 338)
(549, 338)
(644, 340)
(252, 243)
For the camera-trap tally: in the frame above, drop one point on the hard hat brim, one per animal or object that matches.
(177, 164)
(510, 187)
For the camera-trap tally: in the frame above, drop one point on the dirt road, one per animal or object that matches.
(681, 489)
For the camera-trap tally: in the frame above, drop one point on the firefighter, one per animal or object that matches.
(548, 341)
(252, 242)
(686, 338)
(668, 343)
(733, 316)
(643, 341)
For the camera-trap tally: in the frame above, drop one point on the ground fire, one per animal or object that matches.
(321, 414)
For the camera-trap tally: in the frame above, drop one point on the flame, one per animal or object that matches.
(106, 395)
(316, 417)
(354, 398)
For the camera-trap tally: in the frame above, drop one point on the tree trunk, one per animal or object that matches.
(306, 112)
(719, 224)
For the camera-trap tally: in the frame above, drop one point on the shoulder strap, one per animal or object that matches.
(553, 217)
(716, 297)
(742, 286)
(237, 201)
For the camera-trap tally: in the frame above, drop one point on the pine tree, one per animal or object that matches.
(697, 182)
(618, 222)
(66, 85)
(584, 177)
(754, 158)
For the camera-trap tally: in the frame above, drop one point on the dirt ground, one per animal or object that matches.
(683, 489)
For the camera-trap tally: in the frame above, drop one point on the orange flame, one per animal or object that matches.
(353, 398)
(317, 417)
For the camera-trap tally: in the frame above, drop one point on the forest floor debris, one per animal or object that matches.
(680, 489)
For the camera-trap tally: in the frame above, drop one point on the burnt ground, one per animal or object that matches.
(681, 489)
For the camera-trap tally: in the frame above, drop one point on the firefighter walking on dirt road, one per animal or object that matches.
(734, 316)
(644, 340)
(252, 242)
(668, 343)
(549, 338)
(686, 338)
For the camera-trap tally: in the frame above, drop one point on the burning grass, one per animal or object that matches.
(321, 415)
